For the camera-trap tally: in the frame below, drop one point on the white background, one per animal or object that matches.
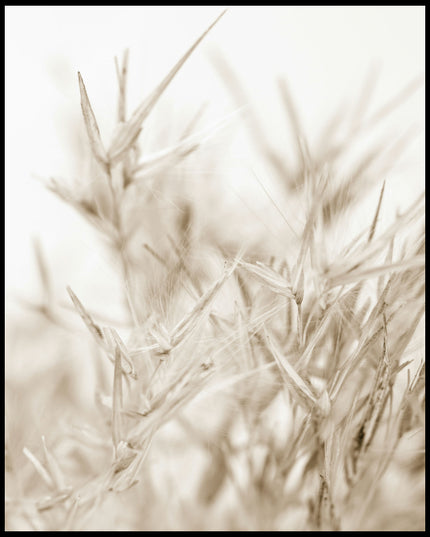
(325, 52)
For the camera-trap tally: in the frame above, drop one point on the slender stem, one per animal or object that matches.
(299, 326)
(120, 244)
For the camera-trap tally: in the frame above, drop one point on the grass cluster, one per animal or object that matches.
(249, 386)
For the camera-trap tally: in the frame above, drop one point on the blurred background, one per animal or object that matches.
(338, 62)
(325, 53)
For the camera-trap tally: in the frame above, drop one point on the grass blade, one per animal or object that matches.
(304, 392)
(86, 317)
(39, 467)
(375, 219)
(298, 134)
(117, 401)
(128, 133)
(113, 341)
(373, 272)
(122, 81)
(53, 468)
(91, 126)
(179, 150)
(43, 271)
(269, 278)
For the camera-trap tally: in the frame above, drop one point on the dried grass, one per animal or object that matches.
(217, 346)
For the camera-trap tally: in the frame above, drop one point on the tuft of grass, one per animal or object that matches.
(247, 391)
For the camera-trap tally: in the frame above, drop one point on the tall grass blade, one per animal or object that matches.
(117, 402)
(86, 317)
(128, 132)
(39, 468)
(91, 126)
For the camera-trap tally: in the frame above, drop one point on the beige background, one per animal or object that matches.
(325, 52)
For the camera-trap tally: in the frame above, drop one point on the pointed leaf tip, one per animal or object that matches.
(91, 125)
(129, 131)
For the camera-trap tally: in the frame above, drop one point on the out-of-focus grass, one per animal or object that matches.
(272, 383)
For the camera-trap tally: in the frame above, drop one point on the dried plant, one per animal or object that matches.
(246, 391)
